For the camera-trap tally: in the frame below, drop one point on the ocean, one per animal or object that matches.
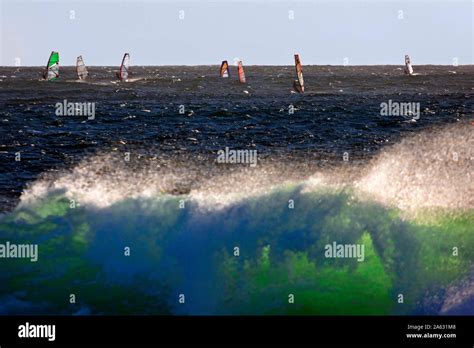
(133, 211)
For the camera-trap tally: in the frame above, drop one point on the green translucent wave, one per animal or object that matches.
(189, 251)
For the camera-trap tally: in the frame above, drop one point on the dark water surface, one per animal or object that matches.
(339, 113)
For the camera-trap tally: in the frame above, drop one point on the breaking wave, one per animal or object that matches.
(182, 220)
(433, 169)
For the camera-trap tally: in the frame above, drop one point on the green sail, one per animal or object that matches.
(52, 68)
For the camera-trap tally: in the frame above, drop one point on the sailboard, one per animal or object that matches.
(81, 69)
(51, 71)
(124, 68)
(241, 72)
(408, 67)
(224, 72)
(298, 83)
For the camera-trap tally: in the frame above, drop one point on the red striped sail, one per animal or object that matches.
(298, 83)
(240, 69)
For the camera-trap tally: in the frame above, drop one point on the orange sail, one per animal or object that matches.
(224, 69)
(298, 83)
(240, 69)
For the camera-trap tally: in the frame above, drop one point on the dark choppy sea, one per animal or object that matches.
(340, 112)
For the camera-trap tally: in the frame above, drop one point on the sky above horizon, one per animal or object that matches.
(260, 32)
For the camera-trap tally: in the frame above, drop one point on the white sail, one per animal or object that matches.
(124, 68)
(408, 67)
(81, 68)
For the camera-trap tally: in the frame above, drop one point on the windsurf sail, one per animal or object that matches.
(124, 68)
(298, 83)
(224, 69)
(240, 69)
(81, 68)
(408, 67)
(51, 71)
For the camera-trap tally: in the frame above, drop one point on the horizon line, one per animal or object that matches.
(248, 65)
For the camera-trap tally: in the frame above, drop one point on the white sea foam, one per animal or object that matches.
(431, 169)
